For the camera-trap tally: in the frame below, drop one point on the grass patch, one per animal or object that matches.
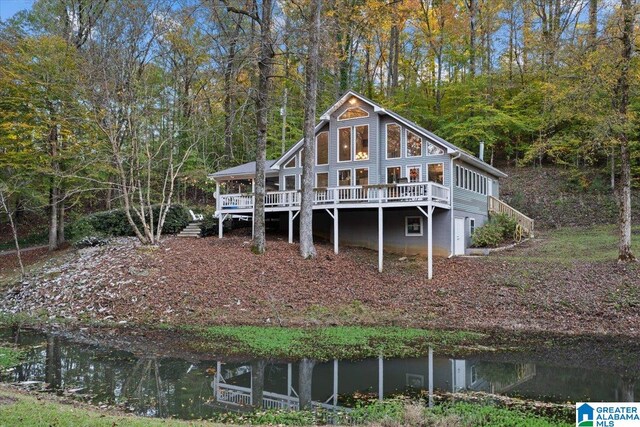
(342, 342)
(24, 410)
(469, 414)
(592, 244)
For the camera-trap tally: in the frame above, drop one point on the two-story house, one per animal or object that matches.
(381, 182)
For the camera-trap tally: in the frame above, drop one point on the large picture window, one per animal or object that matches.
(435, 172)
(322, 148)
(344, 177)
(414, 145)
(393, 141)
(344, 144)
(362, 142)
(393, 174)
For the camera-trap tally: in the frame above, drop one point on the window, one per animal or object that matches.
(344, 144)
(434, 150)
(344, 177)
(301, 158)
(322, 148)
(457, 175)
(413, 226)
(353, 113)
(414, 173)
(362, 142)
(435, 172)
(291, 163)
(322, 179)
(362, 176)
(289, 182)
(393, 174)
(393, 141)
(414, 145)
(472, 226)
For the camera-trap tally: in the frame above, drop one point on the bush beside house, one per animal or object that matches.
(499, 229)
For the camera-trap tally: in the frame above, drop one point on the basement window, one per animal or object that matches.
(413, 226)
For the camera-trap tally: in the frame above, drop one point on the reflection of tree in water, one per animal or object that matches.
(145, 389)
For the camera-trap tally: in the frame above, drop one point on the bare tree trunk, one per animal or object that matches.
(14, 230)
(61, 238)
(472, 7)
(229, 98)
(593, 24)
(262, 119)
(622, 95)
(307, 249)
(257, 383)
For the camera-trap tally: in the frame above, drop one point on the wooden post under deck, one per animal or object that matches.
(290, 226)
(430, 243)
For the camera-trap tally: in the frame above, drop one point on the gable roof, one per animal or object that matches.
(245, 170)
(451, 149)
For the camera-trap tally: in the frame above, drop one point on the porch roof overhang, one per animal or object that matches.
(243, 171)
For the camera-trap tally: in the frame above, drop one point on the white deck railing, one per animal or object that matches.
(406, 192)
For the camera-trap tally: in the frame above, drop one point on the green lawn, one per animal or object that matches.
(592, 244)
(342, 342)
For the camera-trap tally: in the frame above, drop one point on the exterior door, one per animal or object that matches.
(458, 247)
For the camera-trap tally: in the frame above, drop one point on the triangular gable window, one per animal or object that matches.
(434, 150)
(353, 113)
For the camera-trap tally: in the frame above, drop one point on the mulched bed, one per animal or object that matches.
(212, 281)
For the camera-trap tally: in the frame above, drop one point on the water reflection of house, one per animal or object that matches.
(331, 383)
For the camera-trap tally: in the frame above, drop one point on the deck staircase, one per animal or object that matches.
(500, 207)
(191, 230)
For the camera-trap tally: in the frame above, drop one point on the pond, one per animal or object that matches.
(156, 386)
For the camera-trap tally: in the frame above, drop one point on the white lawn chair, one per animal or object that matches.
(195, 216)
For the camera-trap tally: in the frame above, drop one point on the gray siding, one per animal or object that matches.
(466, 200)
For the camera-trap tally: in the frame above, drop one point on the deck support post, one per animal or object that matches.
(380, 377)
(290, 226)
(430, 377)
(335, 230)
(430, 243)
(220, 221)
(380, 240)
(253, 203)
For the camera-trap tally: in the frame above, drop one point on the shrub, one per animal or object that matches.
(498, 229)
(115, 222)
(81, 229)
(209, 226)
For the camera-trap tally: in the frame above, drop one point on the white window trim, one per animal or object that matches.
(338, 177)
(386, 173)
(318, 173)
(472, 221)
(406, 226)
(353, 118)
(316, 153)
(350, 142)
(354, 144)
(295, 181)
(408, 175)
(355, 175)
(406, 144)
(443, 172)
(386, 141)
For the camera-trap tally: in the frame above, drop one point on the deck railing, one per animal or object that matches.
(409, 192)
(500, 207)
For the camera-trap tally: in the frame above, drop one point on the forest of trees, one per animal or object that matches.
(131, 103)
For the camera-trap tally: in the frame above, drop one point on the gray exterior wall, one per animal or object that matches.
(359, 227)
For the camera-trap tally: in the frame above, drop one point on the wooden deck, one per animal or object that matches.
(389, 195)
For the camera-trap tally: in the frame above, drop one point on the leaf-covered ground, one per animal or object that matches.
(563, 282)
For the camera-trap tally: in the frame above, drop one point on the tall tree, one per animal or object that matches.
(307, 249)
(628, 12)
(265, 66)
